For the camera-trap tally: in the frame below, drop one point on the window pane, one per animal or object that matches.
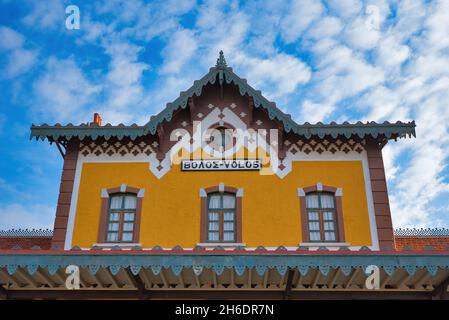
(116, 202)
(127, 236)
(314, 226)
(114, 216)
(228, 226)
(112, 236)
(213, 216)
(313, 216)
(129, 216)
(228, 216)
(213, 236)
(312, 201)
(113, 226)
(214, 202)
(327, 201)
(329, 226)
(128, 226)
(228, 236)
(328, 215)
(228, 202)
(213, 226)
(130, 202)
(329, 236)
(314, 236)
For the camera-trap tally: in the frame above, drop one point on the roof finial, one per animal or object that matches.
(221, 61)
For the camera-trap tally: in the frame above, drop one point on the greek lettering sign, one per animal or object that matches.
(221, 165)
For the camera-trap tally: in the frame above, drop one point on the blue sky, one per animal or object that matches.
(343, 60)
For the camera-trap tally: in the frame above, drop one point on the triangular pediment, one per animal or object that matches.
(222, 75)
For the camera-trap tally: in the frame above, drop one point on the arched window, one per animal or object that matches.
(121, 217)
(221, 217)
(121, 210)
(321, 216)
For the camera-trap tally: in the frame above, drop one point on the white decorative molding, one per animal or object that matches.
(123, 187)
(110, 245)
(221, 187)
(104, 193)
(324, 244)
(203, 193)
(239, 193)
(339, 192)
(140, 193)
(300, 192)
(225, 245)
(319, 186)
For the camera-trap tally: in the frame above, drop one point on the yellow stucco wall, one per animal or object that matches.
(171, 205)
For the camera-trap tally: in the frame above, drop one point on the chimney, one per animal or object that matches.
(97, 119)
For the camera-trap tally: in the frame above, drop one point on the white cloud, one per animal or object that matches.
(280, 74)
(10, 39)
(180, 48)
(18, 59)
(63, 92)
(360, 36)
(345, 8)
(48, 14)
(324, 28)
(301, 13)
(19, 216)
(391, 53)
(158, 18)
(437, 24)
(313, 112)
(123, 80)
(340, 73)
(19, 62)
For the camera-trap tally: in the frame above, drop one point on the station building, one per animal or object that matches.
(223, 195)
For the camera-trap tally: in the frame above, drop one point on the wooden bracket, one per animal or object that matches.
(281, 149)
(440, 291)
(288, 286)
(160, 136)
(192, 108)
(3, 293)
(251, 110)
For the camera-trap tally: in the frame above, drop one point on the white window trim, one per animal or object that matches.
(226, 245)
(109, 245)
(324, 244)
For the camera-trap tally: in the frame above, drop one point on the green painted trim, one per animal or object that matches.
(224, 74)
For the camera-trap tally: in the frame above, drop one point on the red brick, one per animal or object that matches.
(25, 242)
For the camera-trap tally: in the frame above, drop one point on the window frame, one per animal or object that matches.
(106, 194)
(204, 227)
(122, 211)
(221, 221)
(320, 211)
(338, 213)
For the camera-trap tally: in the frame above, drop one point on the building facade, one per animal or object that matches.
(221, 188)
(326, 183)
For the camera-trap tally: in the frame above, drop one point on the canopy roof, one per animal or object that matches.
(268, 274)
(222, 74)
